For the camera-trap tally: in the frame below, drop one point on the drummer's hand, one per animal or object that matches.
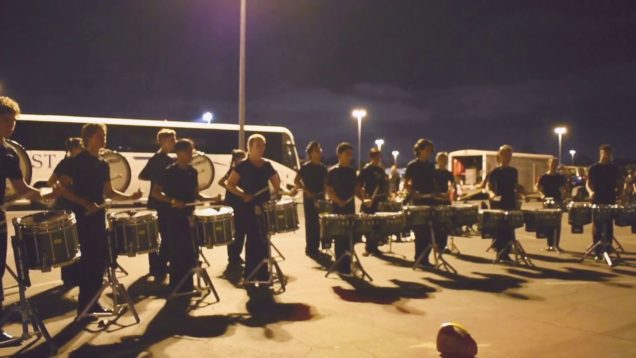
(276, 196)
(248, 197)
(137, 195)
(58, 189)
(293, 192)
(496, 198)
(92, 208)
(178, 204)
(367, 202)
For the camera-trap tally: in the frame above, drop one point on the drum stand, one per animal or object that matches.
(24, 307)
(557, 241)
(391, 252)
(278, 253)
(12, 274)
(356, 264)
(452, 248)
(202, 256)
(202, 278)
(605, 244)
(440, 261)
(275, 272)
(515, 247)
(117, 289)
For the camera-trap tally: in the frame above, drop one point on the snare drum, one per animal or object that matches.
(323, 206)
(389, 206)
(134, 232)
(529, 217)
(464, 215)
(418, 215)
(443, 217)
(579, 215)
(626, 216)
(334, 225)
(49, 239)
(514, 219)
(363, 224)
(550, 203)
(490, 221)
(389, 223)
(214, 226)
(282, 215)
(603, 213)
(547, 219)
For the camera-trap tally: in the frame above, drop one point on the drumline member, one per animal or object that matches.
(10, 169)
(604, 186)
(342, 188)
(250, 181)
(166, 138)
(502, 185)
(235, 248)
(394, 181)
(74, 146)
(311, 179)
(553, 185)
(419, 181)
(87, 183)
(445, 186)
(176, 186)
(374, 183)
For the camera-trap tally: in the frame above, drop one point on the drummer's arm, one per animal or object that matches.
(158, 194)
(232, 186)
(299, 185)
(275, 180)
(24, 190)
(113, 194)
(359, 192)
(331, 193)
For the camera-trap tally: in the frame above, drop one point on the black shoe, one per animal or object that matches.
(505, 258)
(425, 264)
(7, 340)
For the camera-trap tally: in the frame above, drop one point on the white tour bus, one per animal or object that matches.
(132, 142)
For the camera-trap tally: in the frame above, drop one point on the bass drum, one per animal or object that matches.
(25, 166)
(119, 169)
(205, 170)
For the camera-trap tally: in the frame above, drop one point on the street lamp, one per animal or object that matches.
(208, 117)
(241, 103)
(395, 155)
(379, 143)
(572, 152)
(358, 114)
(560, 131)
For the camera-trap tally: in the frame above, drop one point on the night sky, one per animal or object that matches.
(467, 74)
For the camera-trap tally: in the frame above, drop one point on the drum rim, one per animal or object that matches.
(46, 225)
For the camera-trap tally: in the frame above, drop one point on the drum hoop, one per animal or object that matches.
(211, 167)
(213, 218)
(68, 220)
(128, 178)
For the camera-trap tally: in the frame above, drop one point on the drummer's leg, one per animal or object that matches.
(311, 227)
(92, 235)
(182, 252)
(157, 261)
(422, 242)
(256, 245)
(235, 248)
(3, 253)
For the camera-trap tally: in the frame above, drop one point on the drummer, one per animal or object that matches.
(604, 186)
(10, 169)
(419, 181)
(502, 189)
(74, 146)
(250, 181)
(553, 185)
(375, 186)
(342, 188)
(87, 182)
(445, 186)
(176, 186)
(166, 138)
(311, 180)
(235, 248)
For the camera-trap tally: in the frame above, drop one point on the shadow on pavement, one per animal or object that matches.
(488, 282)
(51, 303)
(567, 274)
(366, 292)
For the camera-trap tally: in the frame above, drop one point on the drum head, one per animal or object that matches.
(119, 169)
(214, 211)
(205, 170)
(133, 215)
(25, 166)
(46, 218)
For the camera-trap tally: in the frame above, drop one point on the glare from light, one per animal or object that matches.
(560, 130)
(379, 143)
(208, 117)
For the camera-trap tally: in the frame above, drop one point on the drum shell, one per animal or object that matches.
(135, 236)
(49, 246)
(514, 219)
(626, 216)
(389, 206)
(579, 215)
(418, 215)
(363, 224)
(443, 217)
(490, 221)
(282, 216)
(214, 230)
(323, 206)
(548, 219)
(529, 218)
(465, 215)
(389, 223)
(334, 225)
(603, 213)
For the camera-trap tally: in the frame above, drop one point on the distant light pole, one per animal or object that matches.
(560, 131)
(395, 155)
(208, 117)
(572, 152)
(379, 143)
(241, 103)
(359, 114)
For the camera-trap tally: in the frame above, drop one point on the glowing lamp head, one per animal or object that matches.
(359, 113)
(560, 130)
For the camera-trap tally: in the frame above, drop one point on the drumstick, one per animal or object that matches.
(261, 191)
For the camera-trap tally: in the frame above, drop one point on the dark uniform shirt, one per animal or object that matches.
(603, 180)
(153, 169)
(231, 199)
(372, 177)
(61, 168)
(442, 178)
(254, 179)
(422, 176)
(89, 174)
(314, 177)
(503, 181)
(9, 168)
(343, 181)
(180, 184)
(551, 185)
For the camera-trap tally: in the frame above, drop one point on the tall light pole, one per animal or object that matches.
(241, 104)
(560, 131)
(379, 143)
(572, 152)
(358, 114)
(395, 155)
